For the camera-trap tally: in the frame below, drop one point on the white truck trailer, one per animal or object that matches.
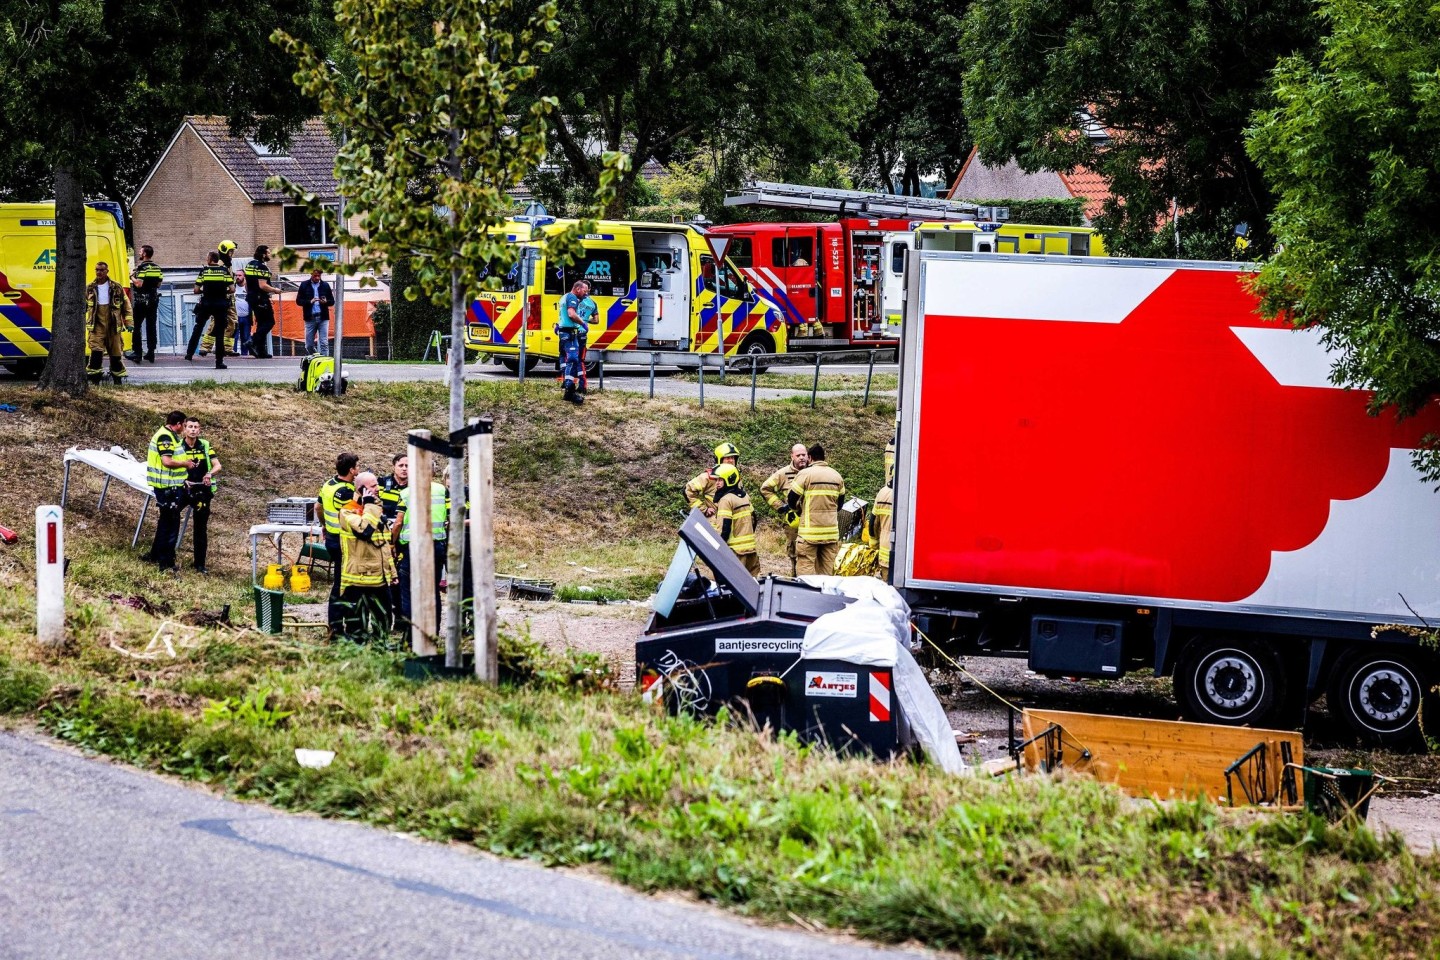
(1112, 464)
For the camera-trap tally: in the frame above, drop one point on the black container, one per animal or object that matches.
(850, 706)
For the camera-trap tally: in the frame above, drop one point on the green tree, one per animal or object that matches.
(916, 127)
(1351, 149)
(432, 146)
(655, 78)
(1172, 82)
(83, 89)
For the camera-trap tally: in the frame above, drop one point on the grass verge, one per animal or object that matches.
(846, 382)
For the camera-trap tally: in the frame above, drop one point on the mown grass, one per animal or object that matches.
(561, 769)
(564, 769)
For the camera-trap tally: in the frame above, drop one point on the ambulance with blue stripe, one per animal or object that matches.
(658, 286)
(27, 275)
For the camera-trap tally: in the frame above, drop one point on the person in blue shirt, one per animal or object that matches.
(574, 329)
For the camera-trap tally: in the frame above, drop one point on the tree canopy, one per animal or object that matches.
(1351, 148)
(1172, 82)
(656, 78)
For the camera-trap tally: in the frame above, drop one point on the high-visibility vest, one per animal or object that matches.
(334, 494)
(439, 509)
(160, 476)
(203, 453)
(390, 494)
(737, 509)
(819, 489)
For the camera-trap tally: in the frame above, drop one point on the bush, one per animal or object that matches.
(412, 320)
(1069, 212)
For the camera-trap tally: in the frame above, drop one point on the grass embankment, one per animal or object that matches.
(558, 770)
(847, 382)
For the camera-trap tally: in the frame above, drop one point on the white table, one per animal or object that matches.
(276, 531)
(116, 464)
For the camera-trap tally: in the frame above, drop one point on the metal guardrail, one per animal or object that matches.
(701, 362)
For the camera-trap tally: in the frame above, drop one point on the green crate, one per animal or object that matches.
(269, 610)
(1334, 792)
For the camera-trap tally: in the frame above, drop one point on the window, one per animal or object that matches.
(792, 251)
(741, 252)
(897, 257)
(1079, 244)
(732, 286)
(303, 230)
(265, 150)
(607, 272)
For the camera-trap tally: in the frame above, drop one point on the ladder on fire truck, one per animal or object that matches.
(790, 196)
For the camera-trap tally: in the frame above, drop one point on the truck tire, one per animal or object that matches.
(1230, 681)
(513, 365)
(28, 368)
(755, 343)
(1378, 694)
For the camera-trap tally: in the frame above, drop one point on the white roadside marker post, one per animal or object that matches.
(50, 575)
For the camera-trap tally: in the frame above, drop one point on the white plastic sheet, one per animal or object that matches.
(866, 633)
(868, 588)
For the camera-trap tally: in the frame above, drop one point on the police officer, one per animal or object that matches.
(816, 494)
(258, 287)
(335, 494)
(202, 480)
(392, 488)
(225, 250)
(701, 489)
(107, 314)
(774, 490)
(405, 521)
(166, 467)
(216, 288)
(146, 283)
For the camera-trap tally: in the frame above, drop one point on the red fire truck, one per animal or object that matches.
(836, 284)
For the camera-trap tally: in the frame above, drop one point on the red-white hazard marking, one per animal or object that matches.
(879, 697)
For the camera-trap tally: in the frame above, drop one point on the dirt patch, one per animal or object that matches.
(609, 630)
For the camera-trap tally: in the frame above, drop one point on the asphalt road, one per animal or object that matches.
(631, 379)
(97, 860)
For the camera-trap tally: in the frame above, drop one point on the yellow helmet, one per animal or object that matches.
(226, 246)
(728, 474)
(726, 449)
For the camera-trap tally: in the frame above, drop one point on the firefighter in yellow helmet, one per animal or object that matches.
(816, 494)
(702, 488)
(737, 517)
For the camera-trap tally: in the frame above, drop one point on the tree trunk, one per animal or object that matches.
(65, 371)
(454, 556)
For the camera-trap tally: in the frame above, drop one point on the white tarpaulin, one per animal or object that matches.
(865, 633)
(868, 588)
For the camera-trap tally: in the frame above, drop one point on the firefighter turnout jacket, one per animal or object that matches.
(365, 562)
(737, 521)
(700, 491)
(816, 493)
(881, 517)
(775, 488)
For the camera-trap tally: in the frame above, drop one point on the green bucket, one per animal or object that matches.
(1336, 792)
(269, 610)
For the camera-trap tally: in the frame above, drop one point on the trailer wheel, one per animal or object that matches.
(513, 365)
(1379, 695)
(758, 344)
(1230, 681)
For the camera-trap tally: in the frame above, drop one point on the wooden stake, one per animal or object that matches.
(424, 618)
(482, 549)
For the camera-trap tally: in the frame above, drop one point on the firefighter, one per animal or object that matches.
(816, 494)
(107, 315)
(700, 490)
(225, 250)
(166, 468)
(216, 287)
(890, 458)
(774, 490)
(145, 282)
(335, 493)
(881, 514)
(367, 567)
(258, 287)
(737, 517)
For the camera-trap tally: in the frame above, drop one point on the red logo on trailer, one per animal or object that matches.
(1156, 456)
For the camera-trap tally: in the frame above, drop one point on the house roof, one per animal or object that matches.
(308, 161)
(980, 181)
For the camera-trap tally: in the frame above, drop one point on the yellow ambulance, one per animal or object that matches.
(658, 287)
(970, 237)
(27, 275)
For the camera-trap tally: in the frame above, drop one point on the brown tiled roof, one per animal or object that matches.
(1090, 187)
(309, 160)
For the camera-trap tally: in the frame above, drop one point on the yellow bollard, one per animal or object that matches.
(274, 579)
(299, 579)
